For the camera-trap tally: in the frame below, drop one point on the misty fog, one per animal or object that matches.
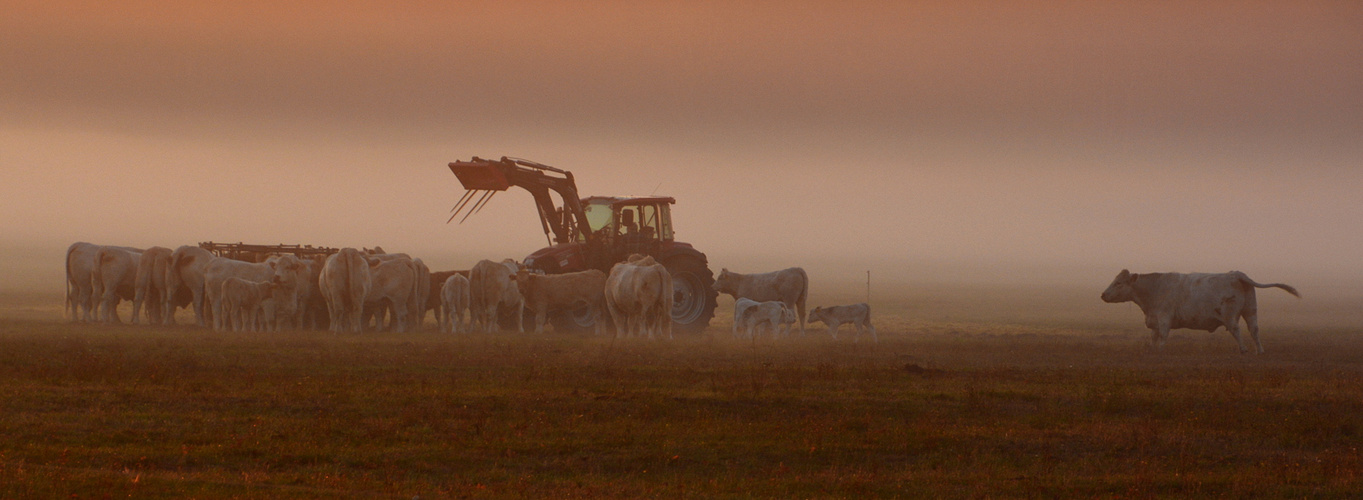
(931, 143)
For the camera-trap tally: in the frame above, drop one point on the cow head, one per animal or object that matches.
(727, 282)
(1122, 288)
(286, 268)
(815, 315)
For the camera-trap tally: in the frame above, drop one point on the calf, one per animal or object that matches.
(454, 299)
(858, 315)
(242, 302)
(773, 314)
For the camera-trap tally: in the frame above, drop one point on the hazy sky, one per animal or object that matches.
(923, 140)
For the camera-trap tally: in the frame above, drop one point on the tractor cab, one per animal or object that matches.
(629, 225)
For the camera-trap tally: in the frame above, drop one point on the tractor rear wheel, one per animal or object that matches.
(693, 293)
(576, 320)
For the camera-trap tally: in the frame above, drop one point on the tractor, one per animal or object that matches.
(595, 232)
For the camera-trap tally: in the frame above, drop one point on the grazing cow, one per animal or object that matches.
(1199, 301)
(394, 283)
(858, 315)
(454, 299)
(186, 276)
(562, 291)
(638, 295)
(283, 269)
(491, 287)
(150, 285)
(773, 314)
(80, 271)
(345, 282)
(115, 279)
(243, 302)
(790, 286)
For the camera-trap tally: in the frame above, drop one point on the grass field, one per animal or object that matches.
(969, 396)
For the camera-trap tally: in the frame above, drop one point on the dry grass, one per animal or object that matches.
(1000, 400)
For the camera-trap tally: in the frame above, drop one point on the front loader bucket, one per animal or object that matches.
(480, 176)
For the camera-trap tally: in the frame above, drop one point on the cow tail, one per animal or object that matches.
(69, 249)
(1290, 289)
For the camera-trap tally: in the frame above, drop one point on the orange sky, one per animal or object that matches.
(924, 140)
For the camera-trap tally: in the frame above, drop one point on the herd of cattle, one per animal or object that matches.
(355, 289)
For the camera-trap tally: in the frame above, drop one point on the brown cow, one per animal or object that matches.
(790, 286)
(1199, 301)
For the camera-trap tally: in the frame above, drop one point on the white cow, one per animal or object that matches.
(345, 282)
(859, 315)
(790, 286)
(283, 269)
(186, 275)
(1199, 301)
(150, 285)
(114, 280)
(454, 295)
(490, 289)
(394, 284)
(80, 271)
(639, 297)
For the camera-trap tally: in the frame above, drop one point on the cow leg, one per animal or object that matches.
(111, 300)
(400, 317)
(540, 312)
(1252, 322)
(1233, 327)
(197, 302)
(138, 299)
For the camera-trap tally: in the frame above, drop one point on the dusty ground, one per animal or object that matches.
(971, 392)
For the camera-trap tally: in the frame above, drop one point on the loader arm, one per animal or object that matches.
(484, 178)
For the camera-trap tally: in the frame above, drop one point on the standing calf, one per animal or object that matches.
(242, 302)
(858, 315)
(773, 313)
